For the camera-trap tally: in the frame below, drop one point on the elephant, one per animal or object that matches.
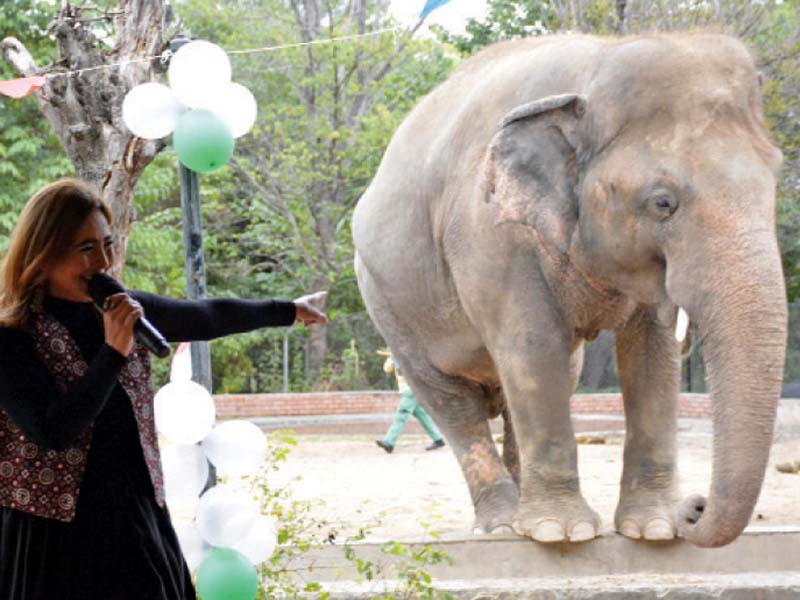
(557, 186)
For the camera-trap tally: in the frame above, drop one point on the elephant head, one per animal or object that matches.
(657, 179)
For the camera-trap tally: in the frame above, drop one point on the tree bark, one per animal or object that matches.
(85, 108)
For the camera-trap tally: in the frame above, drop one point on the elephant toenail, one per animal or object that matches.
(478, 531)
(582, 531)
(502, 529)
(659, 529)
(630, 529)
(548, 530)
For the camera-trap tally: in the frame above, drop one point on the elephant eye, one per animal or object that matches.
(662, 204)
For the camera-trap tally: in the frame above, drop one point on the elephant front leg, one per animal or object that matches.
(648, 359)
(536, 379)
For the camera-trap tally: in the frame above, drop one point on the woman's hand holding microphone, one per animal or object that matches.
(120, 313)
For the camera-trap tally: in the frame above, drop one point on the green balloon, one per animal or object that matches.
(226, 574)
(202, 141)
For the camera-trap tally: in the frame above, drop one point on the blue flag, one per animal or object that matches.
(430, 6)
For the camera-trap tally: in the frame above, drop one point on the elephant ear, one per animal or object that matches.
(531, 166)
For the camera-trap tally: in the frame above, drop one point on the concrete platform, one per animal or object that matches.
(764, 563)
(741, 586)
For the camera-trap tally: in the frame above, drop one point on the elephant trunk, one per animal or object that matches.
(742, 320)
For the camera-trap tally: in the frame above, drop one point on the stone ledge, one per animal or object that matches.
(641, 586)
(761, 550)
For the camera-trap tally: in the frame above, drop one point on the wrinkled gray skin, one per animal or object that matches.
(555, 187)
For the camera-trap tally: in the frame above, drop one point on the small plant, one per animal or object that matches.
(287, 576)
(407, 568)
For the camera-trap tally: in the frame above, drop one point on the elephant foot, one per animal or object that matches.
(570, 521)
(495, 508)
(653, 521)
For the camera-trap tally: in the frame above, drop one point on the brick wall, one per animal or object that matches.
(328, 403)
(322, 403)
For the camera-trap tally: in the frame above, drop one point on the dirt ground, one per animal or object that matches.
(352, 483)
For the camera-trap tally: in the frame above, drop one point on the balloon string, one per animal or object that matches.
(123, 63)
(166, 55)
(317, 42)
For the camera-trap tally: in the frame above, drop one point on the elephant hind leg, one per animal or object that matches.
(510, 448)
(495, 403)
(457, 406)
(459, 410)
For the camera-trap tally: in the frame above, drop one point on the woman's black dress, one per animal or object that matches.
(121, 544)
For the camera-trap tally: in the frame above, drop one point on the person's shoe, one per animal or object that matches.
(388, 447)
(435, 445)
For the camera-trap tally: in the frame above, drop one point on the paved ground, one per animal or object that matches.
(352, 483)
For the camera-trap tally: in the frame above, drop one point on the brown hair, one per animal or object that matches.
(46, 228)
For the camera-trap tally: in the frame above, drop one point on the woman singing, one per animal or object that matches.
(82, 512)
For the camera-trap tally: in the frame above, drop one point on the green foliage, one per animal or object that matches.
(30, 155)
(505, 20)
(792, 368)
(415, 581)
(407, 565)
(779, 49)
(154, 258)
(349, 375)
(297, 531)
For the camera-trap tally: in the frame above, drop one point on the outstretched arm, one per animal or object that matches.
(195, 320)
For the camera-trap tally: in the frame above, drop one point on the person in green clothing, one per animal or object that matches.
(408, 406)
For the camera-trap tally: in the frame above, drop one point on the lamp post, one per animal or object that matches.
(195, 267)
(193, 254)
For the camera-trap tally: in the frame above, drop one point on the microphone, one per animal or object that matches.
(101, 286)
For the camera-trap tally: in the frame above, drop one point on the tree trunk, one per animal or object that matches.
(85, 109)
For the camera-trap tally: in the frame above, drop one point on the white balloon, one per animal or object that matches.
(150, 110)
(185, 471)
(182, 507)
(184, 412)
(225, 516)
(197, 69)
(236, 448)
(259, 544)
(235, 104)
(193, 546)
(181, 367)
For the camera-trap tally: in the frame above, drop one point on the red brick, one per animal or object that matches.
(695, 405)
